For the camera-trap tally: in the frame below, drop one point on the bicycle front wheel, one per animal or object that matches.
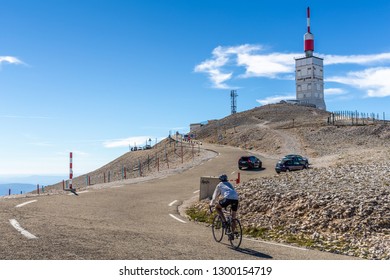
(235, 238)
(217, 228)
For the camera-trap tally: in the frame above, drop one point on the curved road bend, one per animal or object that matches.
(134, 221)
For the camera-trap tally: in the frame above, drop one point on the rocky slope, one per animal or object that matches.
(341, 204)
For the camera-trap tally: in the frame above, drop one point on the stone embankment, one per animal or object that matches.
(343, 208)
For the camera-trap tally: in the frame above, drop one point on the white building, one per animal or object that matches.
(309, 79)
(309, 73)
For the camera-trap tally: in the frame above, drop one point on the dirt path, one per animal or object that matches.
(290, 143)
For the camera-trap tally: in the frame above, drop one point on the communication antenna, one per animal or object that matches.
(308, 38)
(233, 96)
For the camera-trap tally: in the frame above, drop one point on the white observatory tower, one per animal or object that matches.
(309, 74)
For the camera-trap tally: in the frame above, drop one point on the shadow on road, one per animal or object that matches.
(251, 252)
(253, 169)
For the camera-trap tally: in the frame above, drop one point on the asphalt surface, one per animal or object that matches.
(133, 221)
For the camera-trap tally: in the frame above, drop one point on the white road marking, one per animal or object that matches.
(277, 244)
(176, 218)
(25, 203)
(196, 191)
(24, 232)
(232, 172)
(173, 202)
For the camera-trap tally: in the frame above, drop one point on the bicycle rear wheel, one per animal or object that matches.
(217, 228)
(236, 237)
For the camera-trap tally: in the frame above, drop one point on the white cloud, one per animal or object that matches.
(43, 144)
(213, 68)
(131, 141)
(275, 99)
(10, 59)
(269, 65)
(81, 153)
(375, 81)
(228, 63)
(248, 57)
(334, 91)
(356, 59)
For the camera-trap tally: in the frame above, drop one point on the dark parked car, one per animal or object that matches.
(299, 158)
(286, 164)
(249, 162)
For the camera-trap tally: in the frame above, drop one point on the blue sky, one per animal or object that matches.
(93, 76)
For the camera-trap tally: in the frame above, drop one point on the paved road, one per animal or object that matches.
(133, 221)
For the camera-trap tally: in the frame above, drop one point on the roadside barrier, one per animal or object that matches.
(237, 180)
(163, 156)
(39, 189)
(208, 184)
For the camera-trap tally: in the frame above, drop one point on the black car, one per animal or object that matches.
(299, 158)
(249, 162)
(286, 165)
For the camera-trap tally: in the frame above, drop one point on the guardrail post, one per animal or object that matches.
(182, 156)
(238, 178)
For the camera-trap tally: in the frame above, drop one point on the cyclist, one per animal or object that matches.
(229, 197)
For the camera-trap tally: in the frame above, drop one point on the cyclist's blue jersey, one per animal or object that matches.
(226, 190)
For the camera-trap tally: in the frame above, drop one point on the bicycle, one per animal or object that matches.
(219, 229)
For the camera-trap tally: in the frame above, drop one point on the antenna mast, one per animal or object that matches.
(233, 96)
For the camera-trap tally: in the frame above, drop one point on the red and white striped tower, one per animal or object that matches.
(71, 171)
(308, 37)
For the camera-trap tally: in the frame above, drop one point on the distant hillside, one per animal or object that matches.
(16, 188)
(32, 179)
(168, 154)
(272, 130)
(279, 129)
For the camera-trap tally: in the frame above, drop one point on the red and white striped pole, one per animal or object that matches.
(308, 38)
(71, 171)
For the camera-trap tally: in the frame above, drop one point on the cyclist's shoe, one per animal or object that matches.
(231, 236)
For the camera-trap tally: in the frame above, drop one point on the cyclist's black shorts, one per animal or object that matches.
(226, 202)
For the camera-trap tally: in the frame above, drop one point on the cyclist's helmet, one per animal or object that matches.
(223, 178)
